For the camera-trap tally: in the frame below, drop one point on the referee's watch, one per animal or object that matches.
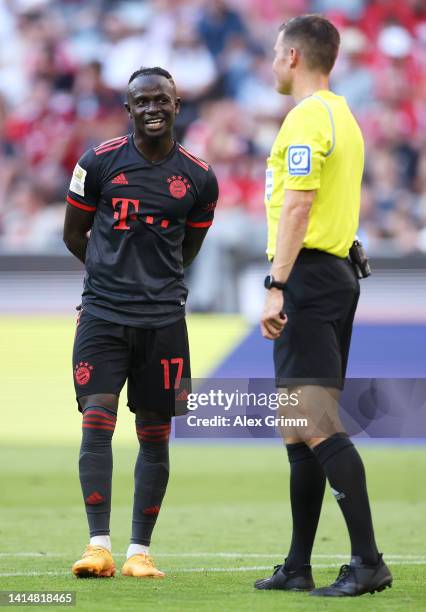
(270, 283)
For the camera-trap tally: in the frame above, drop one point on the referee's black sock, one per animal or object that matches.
(307, 484)
(346, 475)
(95, 467)
(151, 477)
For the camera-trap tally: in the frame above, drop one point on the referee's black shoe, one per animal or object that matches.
(288, 580)
(356, 579)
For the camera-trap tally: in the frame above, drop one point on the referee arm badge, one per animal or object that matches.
(269, 184)
(299, 160)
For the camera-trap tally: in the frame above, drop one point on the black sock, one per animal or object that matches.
(151, 477)
(95, 467)
(307, 484)
(346, 475)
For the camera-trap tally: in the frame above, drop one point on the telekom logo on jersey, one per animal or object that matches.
(123, 212)
(126, 208)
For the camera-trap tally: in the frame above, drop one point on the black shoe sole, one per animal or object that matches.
(378, 589)
(300, 590)
(287, 590)
(381, 588)
(294, 589)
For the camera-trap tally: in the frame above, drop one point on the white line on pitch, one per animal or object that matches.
(231, 555)
(263, 567)
(187, 570)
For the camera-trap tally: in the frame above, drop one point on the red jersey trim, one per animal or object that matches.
(111, 148)
(80, 205)
(200, 224)
(196, 160)
(110, 142)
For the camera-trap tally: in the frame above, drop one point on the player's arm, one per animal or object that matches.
(200, 218)
(76, 226)
(82, 201)
(194, 238)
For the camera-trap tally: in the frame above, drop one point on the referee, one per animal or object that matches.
(313, 183)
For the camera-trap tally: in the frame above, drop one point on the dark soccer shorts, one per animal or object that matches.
(320, 301)
(155, 363)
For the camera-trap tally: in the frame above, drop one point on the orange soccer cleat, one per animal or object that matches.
(141, 566)
(96, 562)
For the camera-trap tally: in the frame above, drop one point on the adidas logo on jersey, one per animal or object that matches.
(120, 180)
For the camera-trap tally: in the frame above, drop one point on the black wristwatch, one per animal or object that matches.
(270, 282)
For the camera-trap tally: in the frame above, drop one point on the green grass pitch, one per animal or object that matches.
(225, 520)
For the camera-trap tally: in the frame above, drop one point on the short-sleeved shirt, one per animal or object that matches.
(134, 266)
(319, 147)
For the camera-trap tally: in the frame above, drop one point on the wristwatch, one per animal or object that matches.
(270, 283)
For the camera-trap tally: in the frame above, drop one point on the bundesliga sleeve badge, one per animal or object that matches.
(299, 160)
(78, 179)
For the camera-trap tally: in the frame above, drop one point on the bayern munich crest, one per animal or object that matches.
(178, 186)
(82, 373)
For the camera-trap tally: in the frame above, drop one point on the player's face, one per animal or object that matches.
(152, 105)
(282, 65)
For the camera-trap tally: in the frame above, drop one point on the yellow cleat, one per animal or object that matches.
(96, 562)
(141, 566)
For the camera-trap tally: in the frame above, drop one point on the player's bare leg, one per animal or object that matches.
(151, 478)
(95, 468)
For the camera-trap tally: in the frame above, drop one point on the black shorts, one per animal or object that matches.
(155, 362)
(320, 301)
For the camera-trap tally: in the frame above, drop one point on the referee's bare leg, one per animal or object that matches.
(314, 434)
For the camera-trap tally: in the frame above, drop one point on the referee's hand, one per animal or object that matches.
(273, 319)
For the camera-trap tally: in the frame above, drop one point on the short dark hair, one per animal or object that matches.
(319, 40)
(148, 71)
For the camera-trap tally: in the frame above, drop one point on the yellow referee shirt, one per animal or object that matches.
(319, 146)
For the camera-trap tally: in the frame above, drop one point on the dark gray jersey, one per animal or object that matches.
(134, 267)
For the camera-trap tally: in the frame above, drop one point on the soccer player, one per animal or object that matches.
(148, 203)
(312, 199)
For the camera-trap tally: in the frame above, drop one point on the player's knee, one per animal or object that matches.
(153, 438)
(98, 425)
(156, 432)
(104, 400)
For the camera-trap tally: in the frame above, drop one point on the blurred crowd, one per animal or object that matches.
(64, 66)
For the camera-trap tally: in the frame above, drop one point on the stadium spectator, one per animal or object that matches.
(29, 221)
(63, 67)
(353, 78)
(218, 24)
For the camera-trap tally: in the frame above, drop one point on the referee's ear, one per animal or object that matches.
(177, 105)
(294, 57)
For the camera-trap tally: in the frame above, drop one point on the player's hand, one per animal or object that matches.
(273, 319)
